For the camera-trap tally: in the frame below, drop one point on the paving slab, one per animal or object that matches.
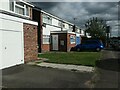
(67, 67)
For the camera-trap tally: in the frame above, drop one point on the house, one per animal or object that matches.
(26, 30)
(18, 33)
(62, 40)
(49, 24)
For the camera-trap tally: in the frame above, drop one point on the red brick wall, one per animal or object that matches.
(45, 47)
(30, 42)
(69, 45)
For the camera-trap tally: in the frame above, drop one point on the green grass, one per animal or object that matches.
(77, 58)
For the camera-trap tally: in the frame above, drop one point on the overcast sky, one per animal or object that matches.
(83, 11)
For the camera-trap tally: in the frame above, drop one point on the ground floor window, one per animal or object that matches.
(46, 39)
(72, 39)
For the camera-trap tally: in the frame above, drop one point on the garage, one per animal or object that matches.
(12, 46)
(11, 41)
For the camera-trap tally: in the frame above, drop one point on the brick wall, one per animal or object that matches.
(69, 45)
(45, 47)
(30, 42)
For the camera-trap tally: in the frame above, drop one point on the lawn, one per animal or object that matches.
(77, 58)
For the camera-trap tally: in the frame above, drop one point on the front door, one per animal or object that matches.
(55, 42)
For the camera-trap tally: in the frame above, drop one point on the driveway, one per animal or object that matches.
(28, 76)
(108, 70)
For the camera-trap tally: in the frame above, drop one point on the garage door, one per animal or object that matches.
(12, 48)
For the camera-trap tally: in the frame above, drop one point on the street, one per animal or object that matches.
(108, 70)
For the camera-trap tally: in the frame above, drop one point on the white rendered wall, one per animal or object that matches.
(0, 57)
(4, 5)
(0, 49)
(55, 22)
(11, 25)
(48, 28)
(0, 45)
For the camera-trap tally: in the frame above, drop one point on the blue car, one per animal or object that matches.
(96, 45)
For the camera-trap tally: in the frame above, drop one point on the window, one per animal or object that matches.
(19, 10)
(59, 23)
(72, 39)
(63, 25)
(27, 10)
(19, 7)
(47, 19)
(11, 6)
(46, 39)
(70, 27)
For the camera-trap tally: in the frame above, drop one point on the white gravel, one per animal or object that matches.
(67, 67)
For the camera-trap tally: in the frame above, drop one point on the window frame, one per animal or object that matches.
(46, 37)
(72, 39)
(13, 4)
(47, 19)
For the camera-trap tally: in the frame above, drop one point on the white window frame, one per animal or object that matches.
(46, 37)
(47, 19)
(60, 23)
(73, 38)
(22, 7)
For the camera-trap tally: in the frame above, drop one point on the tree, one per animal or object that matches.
(96, 28)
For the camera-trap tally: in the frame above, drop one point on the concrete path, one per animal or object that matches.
(67, 67)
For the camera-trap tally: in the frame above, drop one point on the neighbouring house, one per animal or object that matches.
(49, 24)
(18, 33)
(62, 40)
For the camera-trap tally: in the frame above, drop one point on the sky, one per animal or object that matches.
(83, 11)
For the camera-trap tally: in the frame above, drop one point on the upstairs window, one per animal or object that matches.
(19, 8)
(60, 23)
(70, 26)
(63, 25)
(47, 19)
(11, 6)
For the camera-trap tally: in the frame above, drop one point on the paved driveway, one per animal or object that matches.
(27, 76)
